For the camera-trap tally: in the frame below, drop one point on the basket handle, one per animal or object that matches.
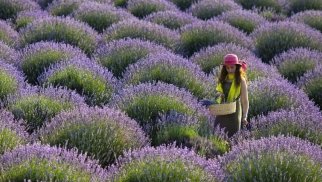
(219, 94)
(223, 96)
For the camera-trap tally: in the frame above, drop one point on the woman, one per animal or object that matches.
(232, 86)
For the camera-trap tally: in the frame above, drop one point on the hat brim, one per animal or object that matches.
(231, 64)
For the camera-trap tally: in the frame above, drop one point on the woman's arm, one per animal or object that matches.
(244, 99)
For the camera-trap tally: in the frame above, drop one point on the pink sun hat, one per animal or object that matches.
(232, 59)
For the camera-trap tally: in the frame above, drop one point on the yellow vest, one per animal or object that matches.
(233, 93)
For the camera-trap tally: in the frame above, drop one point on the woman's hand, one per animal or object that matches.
(219, 94)
(244, 122)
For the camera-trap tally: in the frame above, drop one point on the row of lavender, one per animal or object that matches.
(162, 112)
(191, 38)
(261, 159)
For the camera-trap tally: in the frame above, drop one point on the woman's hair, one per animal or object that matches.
(239, 73)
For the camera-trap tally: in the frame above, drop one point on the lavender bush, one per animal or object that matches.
(271, 15)
(206, 9)
(117, 55)
(26, 17)
(145, 103)
(274, 159)
(37, 106)
(99, 16)
(183, 4)
(199, 35)
(11, 80)
(310, 82)
(274, 95)
(244, 20)
(35, 58)
(144, 30)
(295, 6)
(41, 162)
(66, 7)
(103, 133)
(305, 125)
(10, 9)
(7, 54)
(210, 59)
(274, 38)
(172, 69)
(84, 76)
(171, 19)
(187, 131)
(164, 164)
(296, 62)
(142, 8)
(312, 18)
(63, 7)
(7, 34)
(58, 29)
(12, 134)
(275, 5)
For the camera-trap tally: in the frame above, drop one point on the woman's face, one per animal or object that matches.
(230, 68)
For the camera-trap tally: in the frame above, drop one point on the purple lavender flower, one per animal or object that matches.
(42, 162)
(199, 35)
(26, 17)
(7, 54)
(164, 163)
(145, 102)
(142, 8)
(100, 16)
(210, 58)
(170, 68)
(244, 20)
(11, 80)
(294, 63)
(7, 34)
(134, 28)
(206, 9)
(12, 133)
(83, 75)
(58, 29)
(10, 9)
(266, 95)
(272, 39)
(118, 54)
(312, 18)
(37, 106)
(171, 19)
(305, 125)
(35, 58)
(103, 133)
(273, 159)
(310, 82)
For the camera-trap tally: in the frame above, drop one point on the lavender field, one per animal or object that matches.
(111, 90)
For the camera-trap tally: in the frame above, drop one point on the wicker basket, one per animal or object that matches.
(223, 109)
